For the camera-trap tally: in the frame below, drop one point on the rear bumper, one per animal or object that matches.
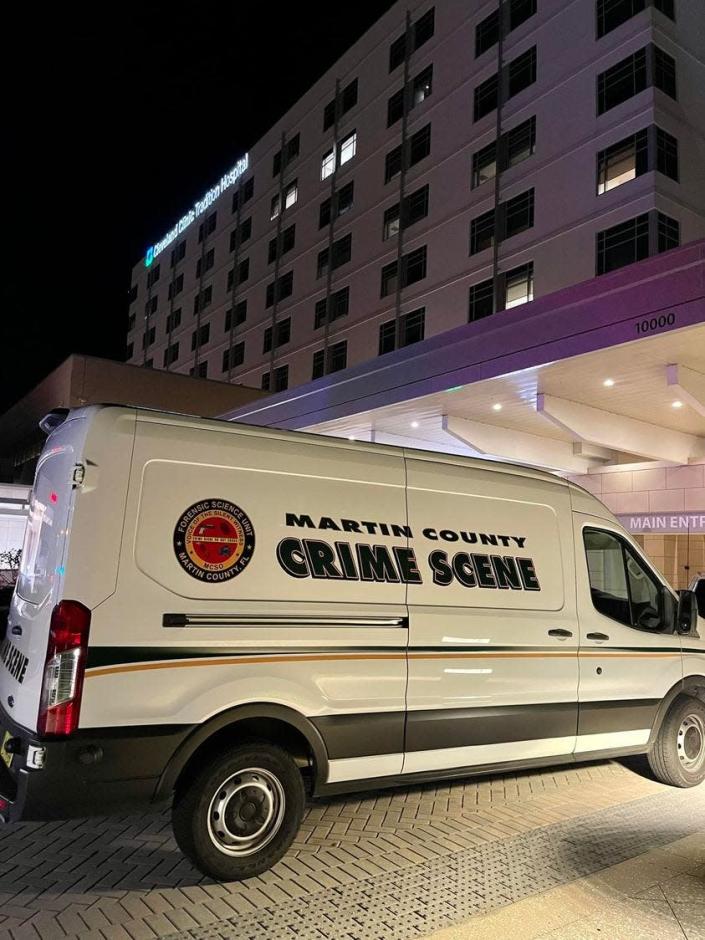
(94, 772)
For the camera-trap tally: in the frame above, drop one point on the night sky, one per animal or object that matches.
(119, 117)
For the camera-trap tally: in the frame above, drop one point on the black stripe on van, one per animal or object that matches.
(122, 655)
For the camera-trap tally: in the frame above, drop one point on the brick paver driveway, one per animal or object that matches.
(389, 864)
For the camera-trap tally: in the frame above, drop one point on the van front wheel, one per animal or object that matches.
(678, 754)
(241, 812)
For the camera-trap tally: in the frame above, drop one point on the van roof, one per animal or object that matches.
(148, 415)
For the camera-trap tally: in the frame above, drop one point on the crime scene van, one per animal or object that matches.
(230, 619)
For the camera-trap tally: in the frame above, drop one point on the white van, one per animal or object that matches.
(231, 618)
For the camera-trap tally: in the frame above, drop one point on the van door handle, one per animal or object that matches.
(597, 636)
(560, 633)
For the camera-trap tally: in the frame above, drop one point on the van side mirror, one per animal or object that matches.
(687, 614)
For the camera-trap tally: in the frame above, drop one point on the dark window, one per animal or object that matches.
(151, 305)
(282, 332)
(131, 321)
(518, 213)
(413, 269)
(153, 275)
(422, 86)
(341, 254)
(200, 336)
(243, 272)
(666, 154)
(341, 201)
(178, 254)
(622, 161)
(520, 11)
(520, 142)
(281, 379)
(484, 165)
(411, 330)
(423, 28)
(415, 206)
(282, 243)
(485, 97)
(265, 381)
(324, 212)
(522, 72)
(612, 13)
(233, 357)
(390, 222)
(482, 232)
(200, 371)
(487, 33)
(132, 294)
(664, 72)
(130, 351)
(318, 368)
(349, 96)
(668, 232)
(173, 320)
(395, 107)
(397, 52)
(205, 263)
(149, 364)
(243, 194)
(338, 305)
(171, 354)
(176, 286)
(329, 115)
(667, 7)
(241, 234)
(623, 244)
(392, 164)
(481, 302)
(149, 337)
(201, 301)
(347, 99)
(420, 145)
(337, 356)
(236, 315)
(208, 227)
(622, 81)
(280, 289)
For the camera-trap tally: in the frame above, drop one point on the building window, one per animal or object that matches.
(328, 164)
(280, 289)
(486, 96)
(622, 81)
(243, 272)
(411, 330)
(281, 332)
(200, 371)
(623, 244)
(415, 209)
(422, 86)
(665, 72)
(233, 357)
(392, 164)
(130, 351)
(484, 165)
(149, 337)
(668, 232)
(622, 162)
(208, 227)
(395, 107)
(153, 275)
(151, 306)
(173, 320)
(390, 224)
(612, 13)
(337, 356)
(417, 90)
(481, 303)
(520, 11)
(346, 100)
(420, 145)
(281, 380)
(519, 143)
(487, 33)
(274, 207)
(243, 194)
(176, 286)
(336, 307)
(421, 31)
(341, 254)
(131, 321)
(291, 195)
(282, 243)
(482, 232)
(519, 285)
(132, 294)
(290, 152)
(318, 367)
(171, 354)
(200, 336)
(241, 234)
(666, 154)
(413, 269)
(667, 7)
(518, 213)
(347, 148)
(236, 315)
(178, 254)
(203, 299)
(336, 205)
(205, 263)
(522, 72)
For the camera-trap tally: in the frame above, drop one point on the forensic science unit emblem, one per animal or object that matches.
(214, 540)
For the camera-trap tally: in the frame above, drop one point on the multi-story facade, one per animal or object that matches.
(458, 160)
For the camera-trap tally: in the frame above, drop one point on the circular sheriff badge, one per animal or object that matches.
(214, 540)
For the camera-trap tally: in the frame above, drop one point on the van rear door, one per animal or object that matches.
(23, 652)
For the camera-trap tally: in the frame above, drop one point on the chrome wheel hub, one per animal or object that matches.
(246, 812)
(691, 743)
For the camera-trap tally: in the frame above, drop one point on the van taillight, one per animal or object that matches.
(63, 672)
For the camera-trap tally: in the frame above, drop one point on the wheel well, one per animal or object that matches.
(267, 729)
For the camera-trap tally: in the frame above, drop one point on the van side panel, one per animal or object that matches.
(487, 680)
(313, 617)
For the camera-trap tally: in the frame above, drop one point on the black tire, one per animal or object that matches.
(677, 756)
(239, 790)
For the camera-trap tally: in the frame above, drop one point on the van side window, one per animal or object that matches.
(621, 585)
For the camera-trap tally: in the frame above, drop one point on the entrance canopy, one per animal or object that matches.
(608, 372)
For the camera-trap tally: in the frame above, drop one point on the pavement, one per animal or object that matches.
(587, 851)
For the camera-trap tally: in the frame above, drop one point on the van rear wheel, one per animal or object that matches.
(241, 812)
(678, 754)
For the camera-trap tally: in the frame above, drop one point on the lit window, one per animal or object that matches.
(327, 164)
(291, 194)
(348, 148)
(275, 207)
(622, 162)
(520, 285)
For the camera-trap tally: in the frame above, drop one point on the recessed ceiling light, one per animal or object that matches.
(676, 404)
(496, 407)
(414, 424)
(608, 383)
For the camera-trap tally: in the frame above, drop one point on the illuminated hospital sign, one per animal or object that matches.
(200, 206)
